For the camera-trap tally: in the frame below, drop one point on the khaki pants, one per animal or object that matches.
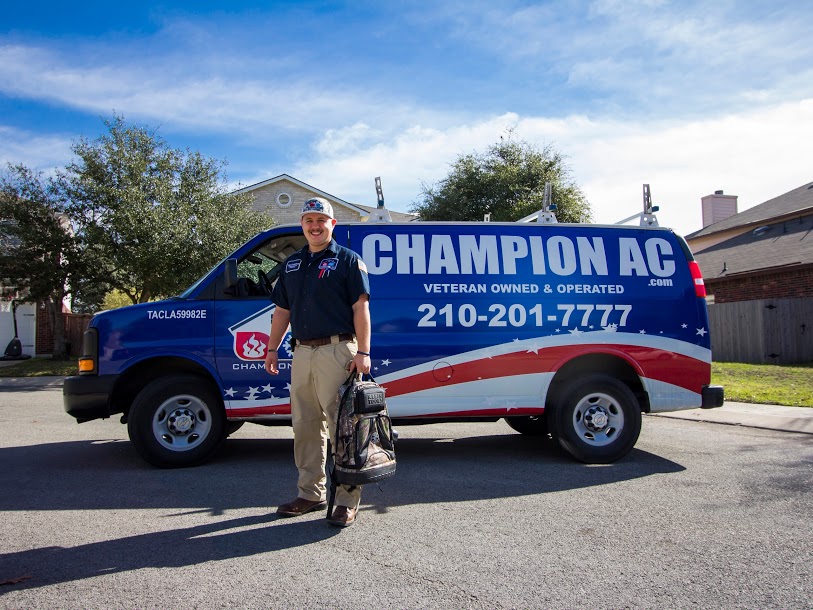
(316, 374)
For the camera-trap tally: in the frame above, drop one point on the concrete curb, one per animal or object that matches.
(771, 417)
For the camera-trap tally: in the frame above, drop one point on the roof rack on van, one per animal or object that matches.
(381, 214)
(545, 215)
(647, 217)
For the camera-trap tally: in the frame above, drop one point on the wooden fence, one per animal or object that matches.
(769, 331)
(75, 326)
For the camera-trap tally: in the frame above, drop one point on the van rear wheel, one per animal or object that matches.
(177, 421)
(598, 419)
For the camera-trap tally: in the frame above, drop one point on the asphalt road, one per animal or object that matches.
(699, 515)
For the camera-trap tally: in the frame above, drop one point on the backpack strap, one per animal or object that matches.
(359, 376)
(331, 465)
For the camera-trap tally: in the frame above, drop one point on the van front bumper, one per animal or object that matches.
(713, 396)
(87, 397)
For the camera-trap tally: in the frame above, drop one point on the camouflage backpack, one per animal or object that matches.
(364, 450)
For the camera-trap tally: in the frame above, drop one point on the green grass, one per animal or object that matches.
(758, 383)
(39, 367)
(770, 384)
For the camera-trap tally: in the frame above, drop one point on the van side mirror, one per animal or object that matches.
(230, 277)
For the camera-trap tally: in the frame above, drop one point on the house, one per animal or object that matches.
(282, 197)
(20, 314)
(758, 270)
(765, 252)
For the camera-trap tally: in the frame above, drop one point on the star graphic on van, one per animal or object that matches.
(267, 388)
(385, 363)
(252, 392)
(534, 348)
(702, 332)
(575, 331)
(230, 392)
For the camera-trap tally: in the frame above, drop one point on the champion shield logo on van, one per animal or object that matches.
(251, 337)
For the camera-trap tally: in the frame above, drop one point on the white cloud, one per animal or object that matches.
(36, 152)
(164, 90)
(416, 154)
(756, 155)
(618, 86)
(336, 142)
(649, 56)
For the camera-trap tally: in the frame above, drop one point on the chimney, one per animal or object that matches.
(718, 207)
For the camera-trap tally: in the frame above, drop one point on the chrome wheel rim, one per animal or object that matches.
(182, 422)
(598, 419)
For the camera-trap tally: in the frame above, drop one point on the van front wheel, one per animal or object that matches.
(177, 421)
(598, 420)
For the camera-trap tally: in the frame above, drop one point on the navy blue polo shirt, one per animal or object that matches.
(320, 291)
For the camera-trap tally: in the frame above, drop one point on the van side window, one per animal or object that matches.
(257, 272)
(251, 275)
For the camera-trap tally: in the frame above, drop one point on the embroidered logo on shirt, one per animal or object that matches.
(293, 265)
(327, 265)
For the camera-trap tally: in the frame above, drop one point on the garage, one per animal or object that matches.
(26, 325)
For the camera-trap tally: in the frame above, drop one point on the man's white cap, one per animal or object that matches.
(317, 205)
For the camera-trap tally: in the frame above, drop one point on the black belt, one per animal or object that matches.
(325, 340)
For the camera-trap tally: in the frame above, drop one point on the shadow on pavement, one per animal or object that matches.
(259, 473)
(173, 548)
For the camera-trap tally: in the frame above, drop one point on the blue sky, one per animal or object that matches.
(690, 97)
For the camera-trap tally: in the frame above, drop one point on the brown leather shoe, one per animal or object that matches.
(300, 506)
(343, 516)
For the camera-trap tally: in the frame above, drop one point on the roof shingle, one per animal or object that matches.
(770, 246)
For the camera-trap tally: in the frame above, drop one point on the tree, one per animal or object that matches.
(152, 219)
(508, 182)
(39, 254)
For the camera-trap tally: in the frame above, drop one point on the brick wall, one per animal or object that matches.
(789, 284)
(45, 334)
(267, 197)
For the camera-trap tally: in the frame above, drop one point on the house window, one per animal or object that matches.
(284, 200)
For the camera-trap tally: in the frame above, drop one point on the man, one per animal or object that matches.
(324, 293)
